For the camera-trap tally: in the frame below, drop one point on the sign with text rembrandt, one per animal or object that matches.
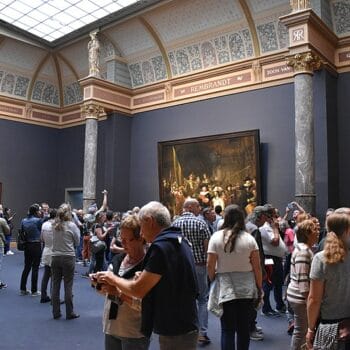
(214, 84)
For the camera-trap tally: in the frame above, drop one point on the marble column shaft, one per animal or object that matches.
(90, 159)
(304, 142)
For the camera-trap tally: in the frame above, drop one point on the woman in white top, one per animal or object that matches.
(234, 266)
(46, 257)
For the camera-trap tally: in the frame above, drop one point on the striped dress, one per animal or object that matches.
(299, 274)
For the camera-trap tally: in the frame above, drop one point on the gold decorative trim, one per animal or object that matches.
(305, 63)
(92, 110)
(157, 39)
(251, 24)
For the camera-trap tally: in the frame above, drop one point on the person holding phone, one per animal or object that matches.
(122, 313)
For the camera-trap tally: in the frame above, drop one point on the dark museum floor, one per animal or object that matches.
(28, 325)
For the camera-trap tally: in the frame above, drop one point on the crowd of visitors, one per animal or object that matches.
(161, 274)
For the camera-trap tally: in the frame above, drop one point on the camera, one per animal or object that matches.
(95, 284)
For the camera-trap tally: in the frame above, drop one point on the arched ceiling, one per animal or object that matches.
(170, 39)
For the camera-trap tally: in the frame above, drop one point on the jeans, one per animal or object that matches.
(176, 342)
(120, 343)
(32, 256)
(62, 267)
(276, 285)
(300, 326)
(8, 243)
(236, 320)
(202, 300)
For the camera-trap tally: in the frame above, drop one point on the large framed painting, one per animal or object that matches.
(217, 170)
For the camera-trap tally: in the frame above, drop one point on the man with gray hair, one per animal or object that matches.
(198, 233)
(167, 285)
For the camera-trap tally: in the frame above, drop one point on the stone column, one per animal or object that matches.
(91, 112)
(304, 65)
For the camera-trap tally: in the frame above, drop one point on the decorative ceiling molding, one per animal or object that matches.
(36, 73)
(59, 78)
(161, 47)
(68, 64)
(252, 27)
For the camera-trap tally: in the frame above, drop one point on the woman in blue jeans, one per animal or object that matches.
(234, 266)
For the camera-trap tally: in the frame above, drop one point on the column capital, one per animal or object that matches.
(306, 62)
(91, 110)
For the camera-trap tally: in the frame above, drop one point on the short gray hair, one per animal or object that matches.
(158, 212)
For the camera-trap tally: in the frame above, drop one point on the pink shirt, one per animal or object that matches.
(289, 239)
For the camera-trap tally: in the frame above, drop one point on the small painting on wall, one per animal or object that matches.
(216, 170)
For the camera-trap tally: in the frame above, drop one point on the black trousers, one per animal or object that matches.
(32, 256)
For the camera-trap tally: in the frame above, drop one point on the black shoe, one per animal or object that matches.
(45, 300)
(72, 316)
(56, 317)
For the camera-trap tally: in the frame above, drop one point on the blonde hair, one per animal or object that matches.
(64, 214)
(305, 229)
(132, 222)
(335, 248)
(301, 217)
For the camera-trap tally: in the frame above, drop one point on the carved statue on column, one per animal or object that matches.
(94, 55)
(299, 5)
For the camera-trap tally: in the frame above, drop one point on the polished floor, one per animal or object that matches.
(28, 325)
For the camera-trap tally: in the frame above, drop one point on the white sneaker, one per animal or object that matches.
(256, 336)
(10, 253)
(35, 294)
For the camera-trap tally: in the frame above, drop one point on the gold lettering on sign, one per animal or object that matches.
(215, 84)
(298, 35)
(270, 72)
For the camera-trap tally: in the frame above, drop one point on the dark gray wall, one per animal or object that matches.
(344, 138)
(271, 110)
(28, 166)
(113, 160)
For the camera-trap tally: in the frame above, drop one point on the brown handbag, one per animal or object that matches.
(344, 330)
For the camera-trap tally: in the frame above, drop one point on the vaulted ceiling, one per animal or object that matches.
(168, 39)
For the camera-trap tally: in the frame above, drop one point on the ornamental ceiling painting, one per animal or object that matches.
(149, 42)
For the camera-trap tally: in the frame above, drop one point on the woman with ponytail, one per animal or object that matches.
(329, 297)
(234, 266)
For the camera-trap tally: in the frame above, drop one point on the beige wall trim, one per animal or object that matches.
(159, 42)
(69, 65)
(256, 73)
(252, 27)
(59, 77)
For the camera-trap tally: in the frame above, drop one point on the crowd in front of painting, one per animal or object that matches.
(209, 192)
(163, 274)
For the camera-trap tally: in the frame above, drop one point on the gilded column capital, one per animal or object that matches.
(305, 63)
(91, 110)
(299, 5)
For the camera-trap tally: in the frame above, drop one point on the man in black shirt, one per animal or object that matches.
(167, 285)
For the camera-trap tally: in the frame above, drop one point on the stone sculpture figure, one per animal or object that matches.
(94, 55)
(298, 5)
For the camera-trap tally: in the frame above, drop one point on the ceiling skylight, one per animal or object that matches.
(52, 19)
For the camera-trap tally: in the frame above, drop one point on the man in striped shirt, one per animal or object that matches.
(198, 234)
